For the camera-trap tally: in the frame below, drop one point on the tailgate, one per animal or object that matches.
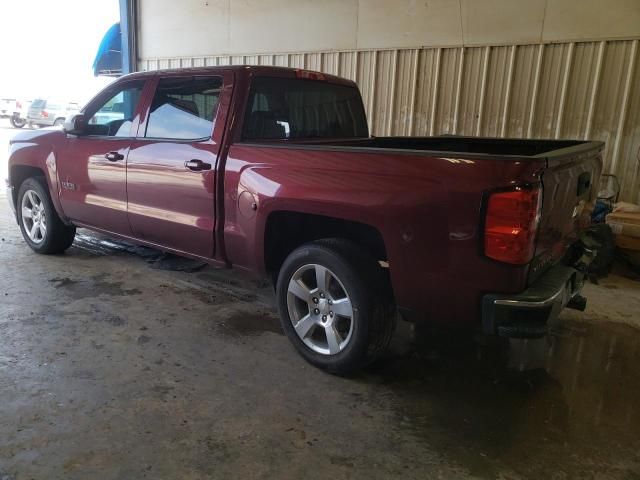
(569, 181)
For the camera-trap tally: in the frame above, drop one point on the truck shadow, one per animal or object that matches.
(566, 406)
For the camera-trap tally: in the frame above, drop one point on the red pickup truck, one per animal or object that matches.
(273, 170)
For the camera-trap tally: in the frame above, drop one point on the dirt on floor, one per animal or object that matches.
(118, 362)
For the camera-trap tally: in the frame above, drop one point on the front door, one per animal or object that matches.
(171, 166)
(92, 167)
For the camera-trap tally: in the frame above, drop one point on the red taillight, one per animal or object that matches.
(18, 105)
(511, 224)
(44, 114)
(309, 75)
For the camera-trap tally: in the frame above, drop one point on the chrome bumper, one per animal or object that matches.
(527, 314)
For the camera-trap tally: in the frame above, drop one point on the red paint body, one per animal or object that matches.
(426, 205)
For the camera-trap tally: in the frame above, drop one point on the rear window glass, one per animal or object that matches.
(288, 108)
(38, 103)
(184, 108)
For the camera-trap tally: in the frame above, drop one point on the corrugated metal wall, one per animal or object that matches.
(561, 90)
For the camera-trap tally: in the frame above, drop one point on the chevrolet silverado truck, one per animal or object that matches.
(272, 170)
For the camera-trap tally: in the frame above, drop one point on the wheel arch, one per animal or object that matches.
(23, 164)
(18, 174)
(286, 230)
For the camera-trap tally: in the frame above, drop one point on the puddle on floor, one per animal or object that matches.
(563, 407)
(250, 324)
(91, 287)
(95, 244)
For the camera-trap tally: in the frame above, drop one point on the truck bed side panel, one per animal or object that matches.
(427, 210)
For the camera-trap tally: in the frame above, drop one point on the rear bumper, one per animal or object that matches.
(527, 314)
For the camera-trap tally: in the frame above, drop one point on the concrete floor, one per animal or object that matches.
(112, 367)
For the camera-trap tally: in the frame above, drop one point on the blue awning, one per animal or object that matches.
(108, 60)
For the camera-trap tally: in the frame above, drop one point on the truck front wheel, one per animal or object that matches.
(335, 305)
(39, 222)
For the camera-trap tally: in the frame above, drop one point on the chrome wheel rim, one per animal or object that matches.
(320, 309)
(34, 219)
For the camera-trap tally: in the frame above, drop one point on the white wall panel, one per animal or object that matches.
(408, 23)
(502, 21)
(593, 19)
(188, 28)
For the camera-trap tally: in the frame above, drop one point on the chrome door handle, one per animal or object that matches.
(113, 156)
(197, 165)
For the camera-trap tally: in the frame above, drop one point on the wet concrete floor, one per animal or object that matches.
(120, 363)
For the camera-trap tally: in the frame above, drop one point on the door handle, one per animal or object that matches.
(197, 165)
(113, 156)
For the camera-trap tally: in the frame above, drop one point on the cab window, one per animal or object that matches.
(114, 116)
(288, 108)
(184, 108)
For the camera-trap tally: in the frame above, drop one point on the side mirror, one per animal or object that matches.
(75, 124)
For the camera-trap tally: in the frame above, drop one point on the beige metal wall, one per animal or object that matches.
(541, 82)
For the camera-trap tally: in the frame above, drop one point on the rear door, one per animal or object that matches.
(171, 167)
(92, 166)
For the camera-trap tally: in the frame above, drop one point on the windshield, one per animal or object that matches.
(287, 108)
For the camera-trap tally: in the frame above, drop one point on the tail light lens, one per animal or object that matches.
(511, 225)
(18, 105)
(44, 114)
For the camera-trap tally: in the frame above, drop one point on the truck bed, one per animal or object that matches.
(459, 145)
(566, 170)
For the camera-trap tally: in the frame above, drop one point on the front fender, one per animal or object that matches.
(26, 157)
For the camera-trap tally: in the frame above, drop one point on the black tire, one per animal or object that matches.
(374, 313)
(58, 122)
(17, 122)
(58, 236)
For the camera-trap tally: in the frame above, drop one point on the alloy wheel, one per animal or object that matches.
(320, 309)
(34, 219)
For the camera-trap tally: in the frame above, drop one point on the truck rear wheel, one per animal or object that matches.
(335, 305)
(39, 222)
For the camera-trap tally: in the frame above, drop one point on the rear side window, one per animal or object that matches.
(288, 108)
(184, 108)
